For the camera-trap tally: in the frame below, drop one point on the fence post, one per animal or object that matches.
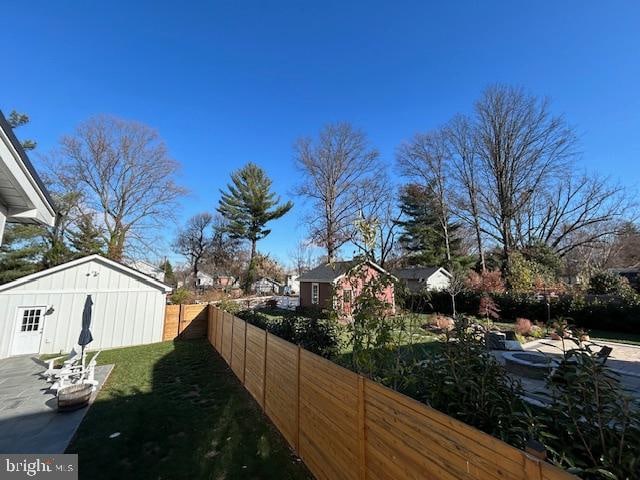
(362, 448)
(532, 467)
(298, 406)
(180, 319)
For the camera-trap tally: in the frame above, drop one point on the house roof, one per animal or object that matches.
(417, 273)
(79, 261)
(39, 195)
(330, 272)
(270, 280)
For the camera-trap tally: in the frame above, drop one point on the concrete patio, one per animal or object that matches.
(624, 360)
(29, 422)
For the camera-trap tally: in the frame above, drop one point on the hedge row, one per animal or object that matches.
(609, 313)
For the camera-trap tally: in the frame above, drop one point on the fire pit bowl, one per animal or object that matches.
(529, 364)
(74, 397)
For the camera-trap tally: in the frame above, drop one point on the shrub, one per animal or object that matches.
(228, 305)
(610, 313)
(463, 380)
(180, 296)
(443, 322)
(593, 426)
(523, 326)
(605, 283)
(317, 334)
(488, 308)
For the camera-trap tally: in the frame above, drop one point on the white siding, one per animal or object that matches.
(437, 281)
(126, 309)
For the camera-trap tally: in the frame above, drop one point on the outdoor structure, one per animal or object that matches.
(225, 281)
(418, 279)
(42, 312)
(23, 197)
(340, 283)
(266, 286)
(147, 268)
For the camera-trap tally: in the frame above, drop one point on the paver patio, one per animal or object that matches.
(29, 422)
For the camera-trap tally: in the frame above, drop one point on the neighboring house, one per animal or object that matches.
(225, 281)
(42, 312)
(340, 283)
(418, 279)
(23, 196)
(147, 268)
(632, 274)
(204, 280)
(291, 285)
(266, 286)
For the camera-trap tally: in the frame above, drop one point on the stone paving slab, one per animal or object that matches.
(624, 361)
(29, 421)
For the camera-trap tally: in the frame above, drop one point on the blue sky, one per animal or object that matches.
(230, 82)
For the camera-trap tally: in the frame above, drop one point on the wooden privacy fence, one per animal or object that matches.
(343, 425)
(185, 321)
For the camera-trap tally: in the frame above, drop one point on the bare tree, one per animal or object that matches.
(338, 169)
(520, 147)
(425, 160)
(194, 241)
(301, 257)
(125, 175)
(376, 228)
(463, 152)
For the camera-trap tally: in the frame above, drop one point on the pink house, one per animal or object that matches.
(340, 283)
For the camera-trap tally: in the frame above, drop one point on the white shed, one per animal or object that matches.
(42, 312)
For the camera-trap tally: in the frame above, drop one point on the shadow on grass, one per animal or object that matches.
(180, 413)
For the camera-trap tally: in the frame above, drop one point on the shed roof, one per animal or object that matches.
(330, 272)
(417, 273)
(79, 261)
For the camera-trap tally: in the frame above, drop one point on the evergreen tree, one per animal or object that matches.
(16, 120)
(21, 252)
(88, 238)
(169, 276)
(421, 233)
(248, 205)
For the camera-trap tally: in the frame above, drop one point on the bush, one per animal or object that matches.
(523, 326)
(593, 427)
(605, 313)
(180, 296)
(605, 283)
(316, 334)
(464, 380)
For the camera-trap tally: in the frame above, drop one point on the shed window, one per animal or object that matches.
(30, 320)
(315, 293)
(347, 296)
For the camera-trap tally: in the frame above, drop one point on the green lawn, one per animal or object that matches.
(180, 413)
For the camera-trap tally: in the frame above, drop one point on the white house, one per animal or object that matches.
(266, 286)
(420, 279)
(23, 197)
(42, 312)
(292, 285)
(146, 268)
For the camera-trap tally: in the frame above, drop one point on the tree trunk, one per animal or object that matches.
(250, 271)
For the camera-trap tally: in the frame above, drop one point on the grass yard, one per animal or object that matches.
(180, 413)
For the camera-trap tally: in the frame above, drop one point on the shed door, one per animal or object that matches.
(28, 332)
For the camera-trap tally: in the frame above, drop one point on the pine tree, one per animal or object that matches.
(169, 276)
(248, 205)
(21, 252)
(88, 238)
(422, 233)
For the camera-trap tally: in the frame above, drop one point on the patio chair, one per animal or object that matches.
(76, 374)
(72, 359)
